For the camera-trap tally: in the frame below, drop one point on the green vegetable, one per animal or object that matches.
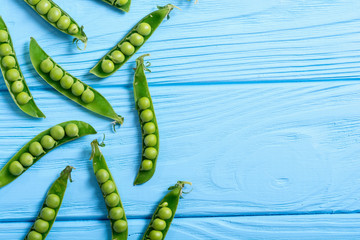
(111, 195)
(72, 130)
(31, 152)
(150, 133)
(94, 101)
(13, 77)
(123, 5)
(50, 207)
(145, 28)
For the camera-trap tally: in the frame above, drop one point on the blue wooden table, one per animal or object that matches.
(257, 104)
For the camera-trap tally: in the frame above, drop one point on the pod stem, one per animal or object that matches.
(181, 185)
(67, 172)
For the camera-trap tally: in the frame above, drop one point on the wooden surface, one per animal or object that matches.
(257, 104)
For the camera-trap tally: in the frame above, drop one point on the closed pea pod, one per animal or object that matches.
(132, 42)
(13, 77)
(47, 215)
(110, 192)
(123, 5)
(148, 123)
(164, 213)
(70, 86)
(39, 146)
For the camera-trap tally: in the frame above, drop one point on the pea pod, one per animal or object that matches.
(58, 18)
(119, 225)
(164, 213)
(149, 126)
(131, 43)
(68, 85)
(13, 77)
(40, 145)
(50, 208)
(123, 5)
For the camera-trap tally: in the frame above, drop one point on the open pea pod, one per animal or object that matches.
(165, 213)
(13, 77)
(97, 103)
(40, 145)
(148, 123)
(118, 221)
(58, 18)
(51, 206)
(131, 43)
(123, 5)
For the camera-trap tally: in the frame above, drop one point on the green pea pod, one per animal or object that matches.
(99, 104)
(123, 5)
(59, 19)
(50, 207)
(112, 63)
(17, 87)
(31, 152)
(164, 213)
(150, 138)
(106, 182)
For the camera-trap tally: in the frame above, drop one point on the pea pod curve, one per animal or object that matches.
(51, 206)
(58, 18)
(97, 103)
(123, 5)
(164, 213)
(131, 43)
(40, 145)
(118, 221)
(13, 77)
(148, 123)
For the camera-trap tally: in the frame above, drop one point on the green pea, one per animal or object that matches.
(66, 82)
(73, 29)
(64, 22)
(43, 7)
(54, 14)
(33, 2)
(47, 142)
(33, 235)
(146, 165)
(149, 128)
(17, 86)
(57, 132)
(72, 130)
(56, 73)
(88, 96)
(26, 159)
(107, 66)
(117, 56)
(16, 168)
(4, 36)
(150, 153)
(52, 201)
(36, 149)
(159, 224)
(5, 49)
(12, 75)
(8, 62)
(46, 65)
(23, 98)
(121, 2)
(146, 115)
(41, 226)
(144, 29)
(155, 235)
(116, 213)
(127, 48)
(150, 140)
(112, 200)
(136, 39)
(144, 103)
(120, 226)
(48, 214)
(108, 187)
(77, 88)
(165, 213)
(102, 176)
